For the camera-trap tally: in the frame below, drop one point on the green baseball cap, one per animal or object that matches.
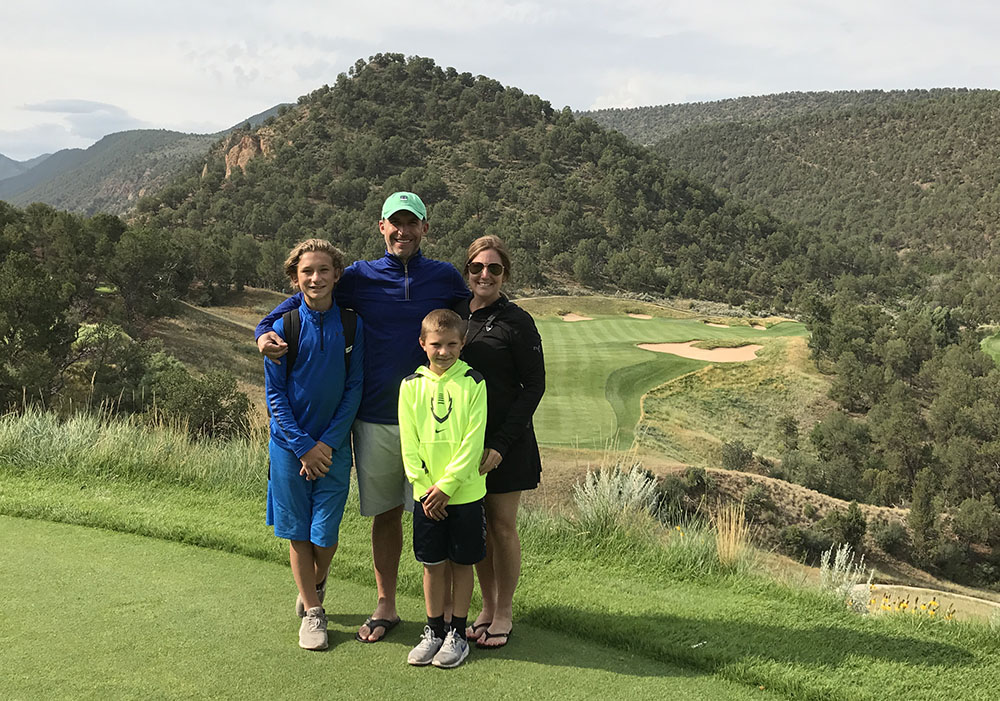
(403, 200)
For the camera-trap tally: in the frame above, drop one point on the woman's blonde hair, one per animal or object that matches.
(486, 243)
(311, 246)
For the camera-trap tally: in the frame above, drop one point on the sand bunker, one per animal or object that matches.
(758, 327)
(716, 355)
(718, 326)
(640, 316)
(575, 317)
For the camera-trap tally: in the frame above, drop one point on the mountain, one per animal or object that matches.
(576, 201)
(648, 125)
(914, 170)
(9, 167)
(112, 174)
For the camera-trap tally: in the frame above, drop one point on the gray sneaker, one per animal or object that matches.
(453, 651)
(312, 632)
(300, 608)
(425, 651)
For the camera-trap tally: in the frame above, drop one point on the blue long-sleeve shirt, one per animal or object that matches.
(392, 298)
(320, 399)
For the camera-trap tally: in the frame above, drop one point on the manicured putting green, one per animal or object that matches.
(95, 614)
(596, 374)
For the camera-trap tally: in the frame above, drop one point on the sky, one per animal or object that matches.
(75, 71)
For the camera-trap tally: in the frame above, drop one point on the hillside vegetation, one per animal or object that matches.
(648, 125)
(111, 175)
(573, 200)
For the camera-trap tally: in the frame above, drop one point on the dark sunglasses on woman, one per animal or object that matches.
(495, 269)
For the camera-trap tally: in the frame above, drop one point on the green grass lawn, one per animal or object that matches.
(596, 374)
(123, 616)
(634, 618)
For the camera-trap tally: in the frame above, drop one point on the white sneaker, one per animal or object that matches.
(300, 608)
(312, 632)
(453, 651)
(425, 651)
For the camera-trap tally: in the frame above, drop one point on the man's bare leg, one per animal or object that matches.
(387, 546)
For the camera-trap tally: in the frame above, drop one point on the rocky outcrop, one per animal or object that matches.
(242, 152)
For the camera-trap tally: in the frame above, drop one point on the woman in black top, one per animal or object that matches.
(503, 344)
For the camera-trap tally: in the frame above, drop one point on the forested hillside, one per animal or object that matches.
(648, 125)
(574, 200)
(916, 171)
(111, 175)
(918, 176)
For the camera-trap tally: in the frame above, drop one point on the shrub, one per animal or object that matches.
(757, 501)
(697, 480)
(736, 455)
(950, 558)
(976, 520)
(788, 429)
(839, 574)
(810, 511)
(207, 406)
(891, 537)
(611, 498)
(846, 526)
(671, 493)
(807, 543)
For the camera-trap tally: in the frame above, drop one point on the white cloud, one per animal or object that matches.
(198, 66)
(637, 88)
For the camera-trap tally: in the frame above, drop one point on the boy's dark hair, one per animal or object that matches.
(311, 246)
(441, 320)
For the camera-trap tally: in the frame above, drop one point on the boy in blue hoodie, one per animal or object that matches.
(312, 405)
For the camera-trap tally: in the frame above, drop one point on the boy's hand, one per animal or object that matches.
(490, 461)
(434, 502)
(316, 462)
(272, 345)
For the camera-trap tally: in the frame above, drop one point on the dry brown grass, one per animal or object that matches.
(732, 534)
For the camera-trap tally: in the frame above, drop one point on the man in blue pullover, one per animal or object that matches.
(392, 295)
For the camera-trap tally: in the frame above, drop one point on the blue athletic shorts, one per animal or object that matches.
(301, 509)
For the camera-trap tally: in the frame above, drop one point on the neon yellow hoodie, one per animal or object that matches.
(442, 425)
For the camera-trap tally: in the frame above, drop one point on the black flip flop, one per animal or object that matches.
(374, 623)
(475, 627)
(505, 636)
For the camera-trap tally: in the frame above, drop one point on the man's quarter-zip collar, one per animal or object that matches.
(395, 260)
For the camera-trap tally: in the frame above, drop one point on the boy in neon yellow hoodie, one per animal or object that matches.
(442, 426)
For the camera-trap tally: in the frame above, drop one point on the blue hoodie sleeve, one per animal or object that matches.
(336, 433)
(267, 323)
(276, 390)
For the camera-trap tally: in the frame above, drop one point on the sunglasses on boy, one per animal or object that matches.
(496, 269)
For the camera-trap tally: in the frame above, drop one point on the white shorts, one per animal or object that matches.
(382, 483)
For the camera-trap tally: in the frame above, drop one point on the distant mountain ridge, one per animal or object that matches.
(914, 169)
(10, 168)
(648, 125)
(111, 175)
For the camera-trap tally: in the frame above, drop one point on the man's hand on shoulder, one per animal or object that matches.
(271, 344)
